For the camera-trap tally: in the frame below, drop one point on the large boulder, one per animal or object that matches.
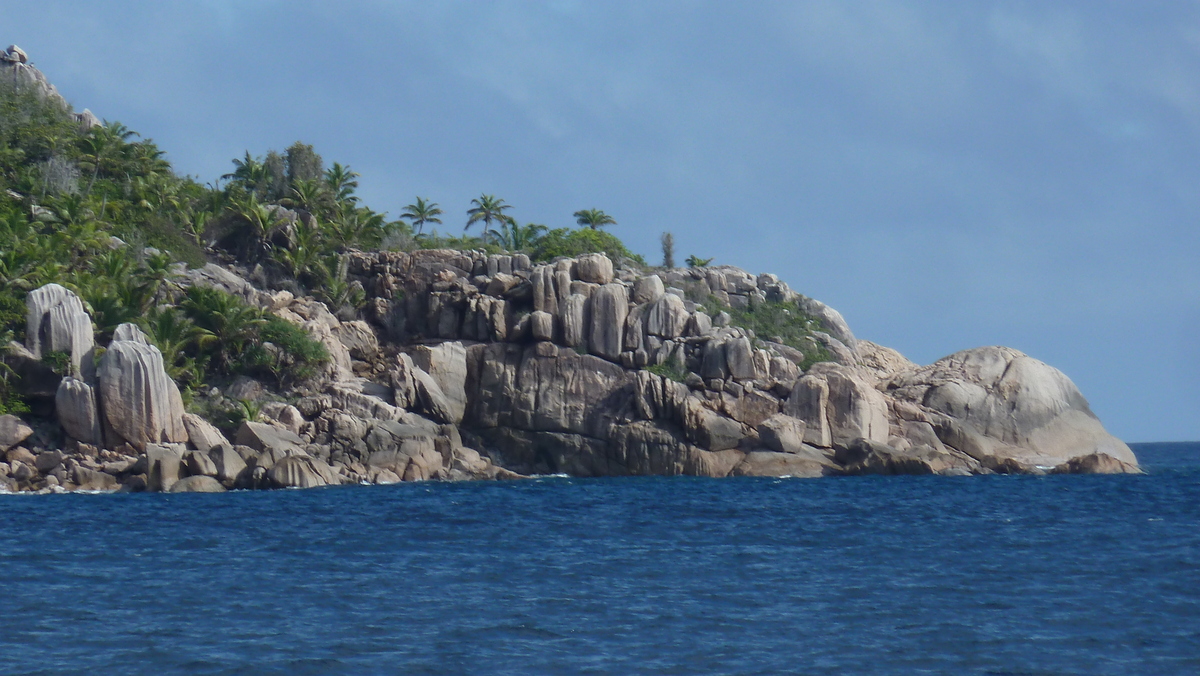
(197, 484)
(12, 431)
(141, 403)
(782, 433)
(838, 406)
(446, 364)
(202, 434)
(1006, 405)
(301, 472)
(228, 463)
(264, 437)
(608, 307)
(92, 480)
(595, 268)
(666, 317)
(408, 451)
(163, 465)
(1096, 463)
(55, 321)
(775, 464)
(358, 338)
(75, 407)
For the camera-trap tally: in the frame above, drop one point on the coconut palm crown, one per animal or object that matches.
(487, 208)
(593, 218)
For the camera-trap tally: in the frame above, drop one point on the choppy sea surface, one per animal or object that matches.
(904, 575)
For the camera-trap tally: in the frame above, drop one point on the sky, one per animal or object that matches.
(945, 174)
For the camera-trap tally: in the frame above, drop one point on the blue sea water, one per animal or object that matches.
(872, 575)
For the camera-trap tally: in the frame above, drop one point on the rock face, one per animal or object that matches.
(12, 431)
(56, 322)
(465, 365)
(141, 403)
(76, 406)
(1009, 406)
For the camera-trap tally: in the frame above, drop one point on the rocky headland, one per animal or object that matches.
(465, 364)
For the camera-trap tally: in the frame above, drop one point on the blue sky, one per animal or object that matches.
(946, 174)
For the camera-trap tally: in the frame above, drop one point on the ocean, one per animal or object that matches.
(854, 575)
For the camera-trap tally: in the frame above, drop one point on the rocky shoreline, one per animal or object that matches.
(466, 365)
(474, 366)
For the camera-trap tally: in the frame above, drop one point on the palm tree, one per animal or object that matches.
(421, 213)
(100, 145)
(487, 208)
(593, 218)
(341, 183)
(514, 237)
(261, 218)
(250, 173)
(312, 196)
(226, 322)
(356, 226)
(306, 247)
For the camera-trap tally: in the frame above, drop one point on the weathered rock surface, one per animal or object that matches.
(464, 365)
(76, 407)
(997, 402)
(163, 465)
(197, 484)
(141, 403)
(264, 437)
(12, 431)
(202, 434)
(1096, 463)
(301, 472)
(56, 322)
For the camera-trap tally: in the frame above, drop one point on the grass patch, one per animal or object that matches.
(670, 369)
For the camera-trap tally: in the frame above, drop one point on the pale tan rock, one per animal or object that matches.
(12, 431)
(446, 363)
(541, 325)
(782, 433)
(56, 322)
(140, 402)
(76, 410)
(302, 472)
(358, 339)
(202, 434)
(595, 268)
(228, 463)
(1024, 409)
(1096, 463)
(666, 317)
(648, 289)
(163, 465)
(776, 464)
(608, 307)
(263, 437)
(197, 484)
(91, 480)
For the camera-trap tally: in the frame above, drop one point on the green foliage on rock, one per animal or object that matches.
(568, 242)
(783, 323)
(670, 369)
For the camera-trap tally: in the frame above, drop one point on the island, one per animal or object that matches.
(163, 335)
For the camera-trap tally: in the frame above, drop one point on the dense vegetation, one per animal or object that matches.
(101, 212)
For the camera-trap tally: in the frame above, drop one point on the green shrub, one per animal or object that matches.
(778, 322)
(568, 242)
(670, 369)
(58, 361)
(285, 352)
(12, 319)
